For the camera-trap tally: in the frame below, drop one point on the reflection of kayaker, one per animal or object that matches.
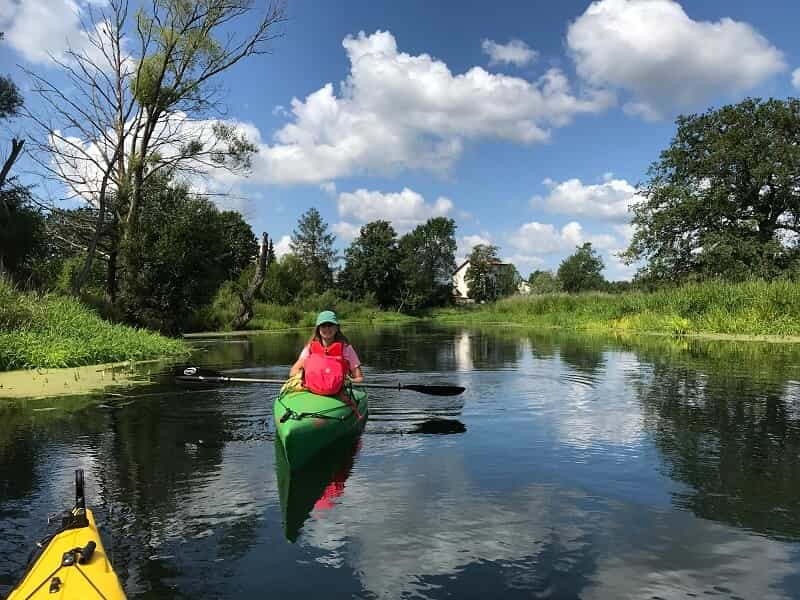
(319, 405)
(71, 563)
(317, 486)
(335, 488)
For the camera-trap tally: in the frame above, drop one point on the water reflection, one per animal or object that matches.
(573, 466)
(314, 489)
(732, 438)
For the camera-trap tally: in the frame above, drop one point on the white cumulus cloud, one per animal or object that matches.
(41, 31)
(543, 238)
(515, 52)
(663, 58)
(404, 210)
(282, 247)
(607, 201)
(466, 243)
(796, 78)
(399, 111)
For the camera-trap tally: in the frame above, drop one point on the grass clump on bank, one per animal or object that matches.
(749, 308)
(50, 331)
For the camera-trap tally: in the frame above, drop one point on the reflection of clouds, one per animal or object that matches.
(604, 413)
(425, 522)
(694, 558)
(429, 523)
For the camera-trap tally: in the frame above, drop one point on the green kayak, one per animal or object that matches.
(306, 423)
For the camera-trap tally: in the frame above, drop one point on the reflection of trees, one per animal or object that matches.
(159, 455)
(24, 434)
(425, 347)
(731, 438)
(583, 355)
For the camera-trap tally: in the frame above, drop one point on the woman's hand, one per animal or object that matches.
(356, 376)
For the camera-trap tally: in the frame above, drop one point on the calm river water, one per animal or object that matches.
(572, 467)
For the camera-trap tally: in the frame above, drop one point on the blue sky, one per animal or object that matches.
(529, 123)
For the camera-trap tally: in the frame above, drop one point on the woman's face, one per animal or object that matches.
(327, 331)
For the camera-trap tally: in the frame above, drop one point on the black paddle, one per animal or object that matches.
(195, 374)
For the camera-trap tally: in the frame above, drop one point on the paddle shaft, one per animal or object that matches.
(434, 390)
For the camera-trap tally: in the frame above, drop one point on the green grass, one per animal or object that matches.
(750, 308)
(51, 331)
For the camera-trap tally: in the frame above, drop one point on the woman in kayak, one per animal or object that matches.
(328, 357)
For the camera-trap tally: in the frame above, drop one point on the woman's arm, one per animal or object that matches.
(297, 365)
(356, 375)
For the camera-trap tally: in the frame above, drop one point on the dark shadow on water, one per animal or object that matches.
(316, 486)
(440, 427)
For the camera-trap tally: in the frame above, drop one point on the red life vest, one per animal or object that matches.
(325, 368)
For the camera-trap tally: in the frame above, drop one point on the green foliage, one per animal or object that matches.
(582, 271)
(57, 331)
(23, 240)
(715, 307)
(508, 280)
(10, 98)
(313, 246)
(283, 282)
(299, 313)
(481, 276)
(372, 265)
(723, 198)
(69, 268)
(544, 282)
(184, 251)
(427, 264)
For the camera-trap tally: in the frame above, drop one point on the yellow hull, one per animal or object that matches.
(53, 577)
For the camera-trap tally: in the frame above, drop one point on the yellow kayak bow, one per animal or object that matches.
(72, 563)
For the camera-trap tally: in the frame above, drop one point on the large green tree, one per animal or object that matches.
(312, 244)
(582, 271)
(428, 259)
(482, 273)
(188, 249)
(723, 200)
(372, 265)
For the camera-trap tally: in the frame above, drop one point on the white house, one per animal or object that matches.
(461, 287)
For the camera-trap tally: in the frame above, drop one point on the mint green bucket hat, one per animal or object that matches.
(326, 316)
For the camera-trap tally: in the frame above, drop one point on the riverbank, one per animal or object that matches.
(50, 331)
(751, 310)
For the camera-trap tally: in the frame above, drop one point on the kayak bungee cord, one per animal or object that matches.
(291, 414)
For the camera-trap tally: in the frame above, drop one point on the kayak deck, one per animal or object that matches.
(59, 574)
(306, 423)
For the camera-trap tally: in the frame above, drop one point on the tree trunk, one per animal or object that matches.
(111, 273)
(83, 276)
(16, 148)
(245, 312)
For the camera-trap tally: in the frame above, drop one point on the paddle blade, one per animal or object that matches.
(196, 374)
(435, 390)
